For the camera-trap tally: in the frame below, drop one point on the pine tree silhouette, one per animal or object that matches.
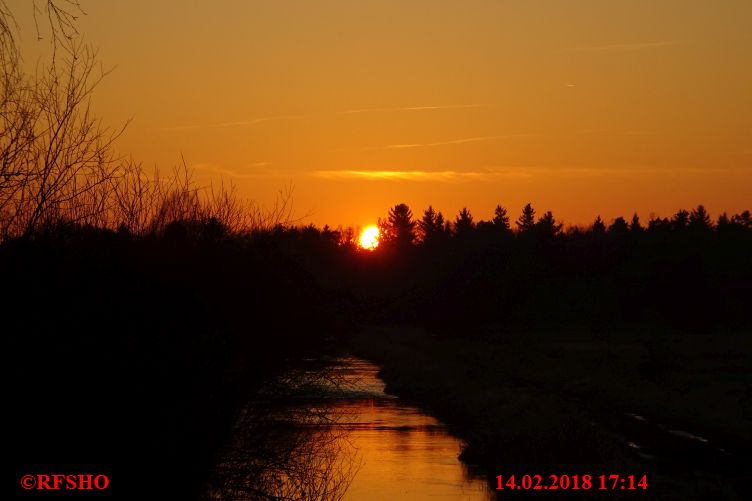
(526, 221)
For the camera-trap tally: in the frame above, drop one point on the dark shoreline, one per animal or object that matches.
(546, 430)
(168, 332)
(130, 357)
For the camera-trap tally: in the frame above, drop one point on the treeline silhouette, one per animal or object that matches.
(159, 306)
(135, 317)
(163, 309)
(141, 310)
(129, 346)
(156, 334)
(682, 272)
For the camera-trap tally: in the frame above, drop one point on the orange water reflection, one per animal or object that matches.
(403, 453)
(327, 431)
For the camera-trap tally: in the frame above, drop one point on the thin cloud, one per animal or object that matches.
(515, 172)
(443, 143)
(626, 47)
(244, 122)
(182, 127)
(619, 132)
(213, 169)
(409, 108)
(254, 121)
(423, 175)
(427, 176)
(260, 120)
(388, 175)
(240, 123)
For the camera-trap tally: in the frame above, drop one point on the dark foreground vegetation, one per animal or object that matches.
(130, 353)
(673, 408)
(622, 347)
(129, 356)
(141, 313)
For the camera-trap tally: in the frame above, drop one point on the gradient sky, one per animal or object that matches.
(582, 107)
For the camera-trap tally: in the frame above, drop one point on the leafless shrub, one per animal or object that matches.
(58, 162)
(61, 17)
(147, 204)
(288, 462)
(56, 154)
(288, 452)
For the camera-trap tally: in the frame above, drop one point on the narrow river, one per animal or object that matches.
(334, 433)
(403, 453)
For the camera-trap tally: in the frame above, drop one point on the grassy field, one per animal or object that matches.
(636, 402)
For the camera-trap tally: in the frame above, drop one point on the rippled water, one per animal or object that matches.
(330, 432)
(404, 453)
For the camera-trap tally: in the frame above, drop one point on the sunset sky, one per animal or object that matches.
(582, 107)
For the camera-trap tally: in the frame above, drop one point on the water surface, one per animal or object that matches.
(403, 452)
(328, 431)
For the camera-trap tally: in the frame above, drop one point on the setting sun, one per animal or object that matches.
(362, 234)
(369, 237)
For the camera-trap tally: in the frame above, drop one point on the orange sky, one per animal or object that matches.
(582, 107)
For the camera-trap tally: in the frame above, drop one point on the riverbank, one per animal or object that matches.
(568, 403)
(326, 430)
(129, 357)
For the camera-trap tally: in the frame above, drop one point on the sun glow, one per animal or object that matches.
(369, 237)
